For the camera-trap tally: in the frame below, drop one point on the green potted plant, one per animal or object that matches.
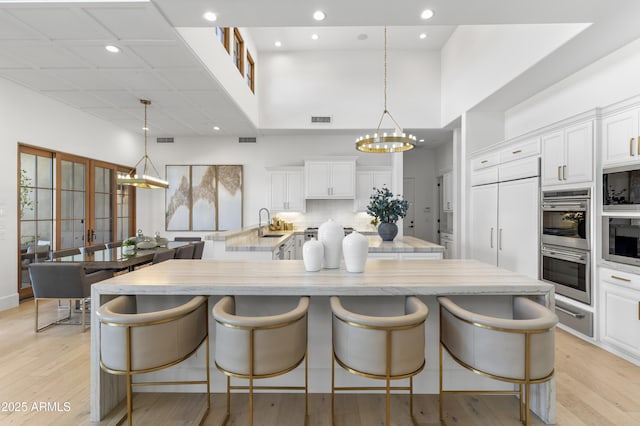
(129, 246)
(386, 210)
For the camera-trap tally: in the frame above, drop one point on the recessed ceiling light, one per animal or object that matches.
(423, 36)
(277, 43)
(319, 15)
(210, 16)
(427, 14)
(216, 128)
(111, 48)
(421, 140)
(362, 37)
(314, 36)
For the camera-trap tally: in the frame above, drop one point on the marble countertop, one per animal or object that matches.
(404, 244)
(288, 277)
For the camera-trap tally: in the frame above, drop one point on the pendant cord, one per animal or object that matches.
(385, 68)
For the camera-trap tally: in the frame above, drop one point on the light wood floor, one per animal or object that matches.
(43, 372)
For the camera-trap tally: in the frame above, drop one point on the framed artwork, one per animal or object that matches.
(203, 197)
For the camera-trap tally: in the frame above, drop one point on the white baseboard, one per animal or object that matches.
(8, 302)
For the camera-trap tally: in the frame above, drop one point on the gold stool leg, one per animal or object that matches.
(129, 401)
(440, 396)
(388, 402)
(527, 412)
(333, 385)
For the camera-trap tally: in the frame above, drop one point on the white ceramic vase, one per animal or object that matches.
(355, 248)
(312, 255)
(330, 234)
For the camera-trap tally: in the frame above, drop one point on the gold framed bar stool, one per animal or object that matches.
(518, 350)
(384, 348)
(142, 334)
(260, 347)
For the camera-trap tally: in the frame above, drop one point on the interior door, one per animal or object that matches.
(408, 223)
(484, 223)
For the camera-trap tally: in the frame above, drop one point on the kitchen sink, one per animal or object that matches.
(273, 236)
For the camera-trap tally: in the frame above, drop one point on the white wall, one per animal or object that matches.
(420, 164)
(34, 119)
(269, 151)
(204, 43)
(477, 60)
(349, 86)
(609, 80)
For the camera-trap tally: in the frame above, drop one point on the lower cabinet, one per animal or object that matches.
(620, 311)
(298, 243)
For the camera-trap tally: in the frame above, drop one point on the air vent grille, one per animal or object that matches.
(164, 140)
(251, 139)
(319, 119)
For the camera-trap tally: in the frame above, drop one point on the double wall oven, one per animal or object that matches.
(566, 243)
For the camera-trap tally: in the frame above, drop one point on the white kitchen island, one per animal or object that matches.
(378, 290)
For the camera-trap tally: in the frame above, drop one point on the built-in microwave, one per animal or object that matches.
(621, 188)
(621, 239)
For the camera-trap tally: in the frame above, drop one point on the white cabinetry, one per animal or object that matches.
(447, 192)
(330, 179)
(620, 138)
(620, 311)
(447, 241)
(567, 155)
(504, 220)
(286, 189)
(366, 180)
(298, 243)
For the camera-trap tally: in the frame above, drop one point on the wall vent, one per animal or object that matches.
(164, 140)
(247, 139)
(319, 119)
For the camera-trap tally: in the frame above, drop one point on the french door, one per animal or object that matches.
(68, 201)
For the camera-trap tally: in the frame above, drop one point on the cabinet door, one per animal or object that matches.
(317, 180)
(552, 158)
(364, 188)
(621, 320)
(620, 138)
(578, 153)
(518, 226)
(277, 190)
(447, 192)
(342, 180)
(295, 191)
(484, 223)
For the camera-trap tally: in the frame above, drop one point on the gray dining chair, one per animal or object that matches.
(163, 255)
(187, 239)
(92, 249)
(65, 252)
(63, 281)
(185, 252)
(198, 249)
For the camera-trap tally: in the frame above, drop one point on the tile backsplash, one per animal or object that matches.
(319, 211)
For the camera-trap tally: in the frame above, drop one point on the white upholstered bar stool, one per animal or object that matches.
(142, 334)
(260, 347)
(518, 350)
(385, 348)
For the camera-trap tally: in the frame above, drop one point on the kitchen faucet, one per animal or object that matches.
(260, 232)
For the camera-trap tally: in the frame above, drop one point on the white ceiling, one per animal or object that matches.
(58, 48)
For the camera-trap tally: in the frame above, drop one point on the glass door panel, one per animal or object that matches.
(72, 208)
(103, 201)
(36, 212)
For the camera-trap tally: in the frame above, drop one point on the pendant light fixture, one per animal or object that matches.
(144, 181)
(397, 141)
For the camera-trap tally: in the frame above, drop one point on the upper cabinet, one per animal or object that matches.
(366, 180)
(620, 134)
(567, 155)
(286, 189)
(330, 179)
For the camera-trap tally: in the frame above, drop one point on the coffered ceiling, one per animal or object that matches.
(58, 48)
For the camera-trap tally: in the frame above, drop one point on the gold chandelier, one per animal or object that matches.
(144, 181)
(397, 141)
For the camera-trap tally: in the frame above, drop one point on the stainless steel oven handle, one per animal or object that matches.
(563, 255)
(568, 312)
(565, 206)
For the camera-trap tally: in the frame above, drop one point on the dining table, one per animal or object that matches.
(116, 258)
